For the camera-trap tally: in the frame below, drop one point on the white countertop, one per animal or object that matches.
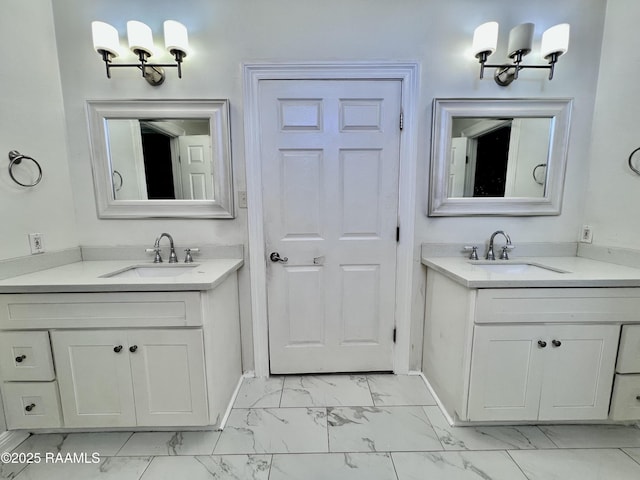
(89, 277)
(579, 272)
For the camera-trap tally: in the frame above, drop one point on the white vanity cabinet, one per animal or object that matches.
(524, 354)
(120, 359)
(143, 377)
(542, 372)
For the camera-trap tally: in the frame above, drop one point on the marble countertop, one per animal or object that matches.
(571, 272)
(92, 276)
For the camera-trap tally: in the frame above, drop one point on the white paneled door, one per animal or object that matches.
(330, 159)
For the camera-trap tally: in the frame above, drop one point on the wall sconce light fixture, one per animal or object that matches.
(555, 42)
(107, 43)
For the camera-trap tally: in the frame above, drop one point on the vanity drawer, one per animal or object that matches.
(625, 402)
(629, 351)
(558, 305)
(31, 405)
(26, 356)
(86, 310)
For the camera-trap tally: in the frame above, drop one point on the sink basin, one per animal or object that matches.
(151, 271)
(516, 268)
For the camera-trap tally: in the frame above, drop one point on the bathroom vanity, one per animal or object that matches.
(114, 344)
(552, 339)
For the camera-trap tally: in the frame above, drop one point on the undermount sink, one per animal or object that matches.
(516, 268)
(151, 271)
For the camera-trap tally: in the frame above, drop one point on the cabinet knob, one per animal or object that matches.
(133, 348)
(556, 343)
(20, 358)
(30, 407)
(542, 343)
(638, 398)
(117, 349)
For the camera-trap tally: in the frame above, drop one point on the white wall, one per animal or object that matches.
(32, 122)
(225, 34)
(613, 195)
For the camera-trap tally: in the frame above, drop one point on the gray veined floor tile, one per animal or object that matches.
(593, 436)
(109, 468)
(486, 438)
(106, 444)
(333, 466)
(274, 430)
(216, 467)
(326, 391)
(632, 452)
(259, 393)
(456, 466)
(399, 390)
(582, 464)
(170, 443)
(380, 429)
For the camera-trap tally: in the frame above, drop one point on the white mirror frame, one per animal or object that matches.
(444, 110)
(216, 111)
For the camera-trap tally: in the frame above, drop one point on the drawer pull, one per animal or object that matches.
(133, 348)
(638, 398)
(556, 343)
(542, 343)
(117, 349)
(20, 358)
(30, 407)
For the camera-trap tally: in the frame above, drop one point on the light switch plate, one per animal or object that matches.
(36, 243)
(587, 234)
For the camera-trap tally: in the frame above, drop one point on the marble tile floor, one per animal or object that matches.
(340, 427)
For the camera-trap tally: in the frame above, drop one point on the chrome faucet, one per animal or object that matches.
(503, 256)
(173, 258)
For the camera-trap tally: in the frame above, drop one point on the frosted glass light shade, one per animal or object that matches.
(485, 38)
(105, 38)
(520, 39)
(176, 37)
(555, 40)
(140, 37)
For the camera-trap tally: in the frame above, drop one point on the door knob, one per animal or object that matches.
(275, 257)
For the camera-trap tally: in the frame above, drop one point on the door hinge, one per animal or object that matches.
(401, 121)
(394, 335)
(398, 233)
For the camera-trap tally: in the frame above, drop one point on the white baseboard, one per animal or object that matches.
(233, 399)
(446, 414)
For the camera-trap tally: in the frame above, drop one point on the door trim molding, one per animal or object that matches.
(408, 74)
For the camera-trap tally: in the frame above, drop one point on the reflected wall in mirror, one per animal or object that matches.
(161, 158)
(498, 157)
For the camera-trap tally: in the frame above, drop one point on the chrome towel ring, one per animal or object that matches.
(16, 158)
(635, 170)
(535, 178)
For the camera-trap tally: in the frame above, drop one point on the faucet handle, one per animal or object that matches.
(474, 251)
(188, 258)
(504, 255)
(157, 258)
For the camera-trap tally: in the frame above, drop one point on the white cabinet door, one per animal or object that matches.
(506, 372)
(579, 371)
(94, 378)
(167, 367)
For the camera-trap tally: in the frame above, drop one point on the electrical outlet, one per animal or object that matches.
(242, 199)
(36, 242)
(587, 234)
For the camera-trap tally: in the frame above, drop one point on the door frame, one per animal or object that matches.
(408, 75)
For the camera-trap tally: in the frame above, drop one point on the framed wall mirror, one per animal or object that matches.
(161, 158)
(498, 156)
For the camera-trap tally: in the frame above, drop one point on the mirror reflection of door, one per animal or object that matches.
(160, 159)
(499, 157)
